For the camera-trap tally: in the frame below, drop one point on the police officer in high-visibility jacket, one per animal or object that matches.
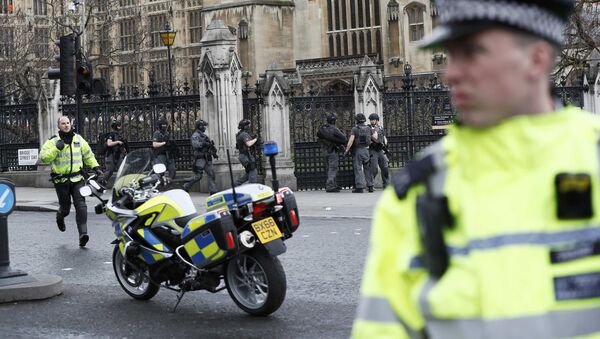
(67, 152)
(493, 232)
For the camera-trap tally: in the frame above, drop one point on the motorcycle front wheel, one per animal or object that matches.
(256, 282)
(135, 282)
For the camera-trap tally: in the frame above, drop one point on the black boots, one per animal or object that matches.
(83, 239)
(371, 190)
(60, 222)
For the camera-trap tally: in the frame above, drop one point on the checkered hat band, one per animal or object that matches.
(528, 17)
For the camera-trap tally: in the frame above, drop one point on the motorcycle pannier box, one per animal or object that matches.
(210, 239)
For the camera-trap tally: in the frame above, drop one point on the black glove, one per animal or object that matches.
(98, 171)
(59, 144)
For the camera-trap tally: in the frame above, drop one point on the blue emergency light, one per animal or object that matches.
(270, 148)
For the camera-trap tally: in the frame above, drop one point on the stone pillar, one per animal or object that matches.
(276, 124)
(368, 88)
(220, 84)
(48, 112)
(219, 75)
(591, 100)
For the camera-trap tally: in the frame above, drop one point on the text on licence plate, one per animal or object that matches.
(266, 230)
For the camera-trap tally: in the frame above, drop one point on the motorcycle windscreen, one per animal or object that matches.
(135, 166)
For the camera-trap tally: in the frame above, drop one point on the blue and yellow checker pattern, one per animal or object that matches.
(226, 201)
(203, 249)
(147, 256)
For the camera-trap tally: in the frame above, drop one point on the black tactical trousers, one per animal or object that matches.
(65, 191)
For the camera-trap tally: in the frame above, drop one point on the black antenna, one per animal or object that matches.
(232, 182)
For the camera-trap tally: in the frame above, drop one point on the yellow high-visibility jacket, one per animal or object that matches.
(70, 159)
(517, 267)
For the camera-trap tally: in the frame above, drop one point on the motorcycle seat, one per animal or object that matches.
(182, 221)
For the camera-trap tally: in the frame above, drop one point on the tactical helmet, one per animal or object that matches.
(200, 123)
(331, 118)
(114, 123)
(360, 118)
(373, 116)
(244, 123)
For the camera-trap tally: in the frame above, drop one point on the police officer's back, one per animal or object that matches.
(491, 232)
(332, 141)
(359, 141)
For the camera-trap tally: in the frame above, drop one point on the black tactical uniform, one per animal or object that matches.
(362, 167)
(165, 154)
(332, 141)
(376, 152)
(247, 156)
(204, 151)
(116, 153)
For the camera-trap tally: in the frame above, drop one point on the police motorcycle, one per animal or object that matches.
(162, 241)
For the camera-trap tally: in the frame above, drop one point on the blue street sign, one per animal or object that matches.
(7, 198)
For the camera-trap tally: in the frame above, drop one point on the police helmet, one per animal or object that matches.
(360, 118)
(331, 118)
(114, 123)
(244, 123)
(373, 116)
(200, 123)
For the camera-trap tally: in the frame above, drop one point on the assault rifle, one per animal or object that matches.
(172, 149)
(211, 150)
(377, 146)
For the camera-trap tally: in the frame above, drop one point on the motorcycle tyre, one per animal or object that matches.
(150, 291)
(276, 281)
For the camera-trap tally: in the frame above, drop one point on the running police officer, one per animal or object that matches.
(67, 152)
(360, 139)
(332, 141)
(493, 231)
(204, 151)
(116, 149)
(377, 151)
(164, 147)
(245, 143)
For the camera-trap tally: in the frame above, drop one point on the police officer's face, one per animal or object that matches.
(491, 76)
(64, 124)
(374, 122)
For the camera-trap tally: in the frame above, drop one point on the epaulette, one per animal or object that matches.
(419, 171)
(52, 137)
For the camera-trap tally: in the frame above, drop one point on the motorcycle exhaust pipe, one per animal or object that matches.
(247, 239)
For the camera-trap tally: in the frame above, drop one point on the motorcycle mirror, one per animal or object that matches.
(85, 191)
(159, 168)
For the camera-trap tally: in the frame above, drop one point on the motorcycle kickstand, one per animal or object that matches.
(179, 297)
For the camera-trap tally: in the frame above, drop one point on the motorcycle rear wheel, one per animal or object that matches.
(135, 283)
(256, 282)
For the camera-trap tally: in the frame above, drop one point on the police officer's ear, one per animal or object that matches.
(541, 57)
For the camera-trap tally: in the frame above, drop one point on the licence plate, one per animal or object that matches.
(266, 230)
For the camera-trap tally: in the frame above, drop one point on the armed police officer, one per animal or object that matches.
(332, 141)
(492, 232)
(360, 139)
(67, 152)
(204, 152)
(377, 151)
(165, 149)
(245, 143)
(116, 149)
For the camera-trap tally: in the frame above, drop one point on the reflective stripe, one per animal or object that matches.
(590, 233)
(379, 310)
(559, 324)
(68, 162)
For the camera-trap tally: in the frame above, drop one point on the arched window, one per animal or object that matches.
(416, 23)
(353, 27)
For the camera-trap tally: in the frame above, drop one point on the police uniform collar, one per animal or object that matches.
(459, 18)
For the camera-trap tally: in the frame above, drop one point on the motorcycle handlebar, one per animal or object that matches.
(149, 180)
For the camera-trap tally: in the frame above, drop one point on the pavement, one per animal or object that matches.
(318, 204)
